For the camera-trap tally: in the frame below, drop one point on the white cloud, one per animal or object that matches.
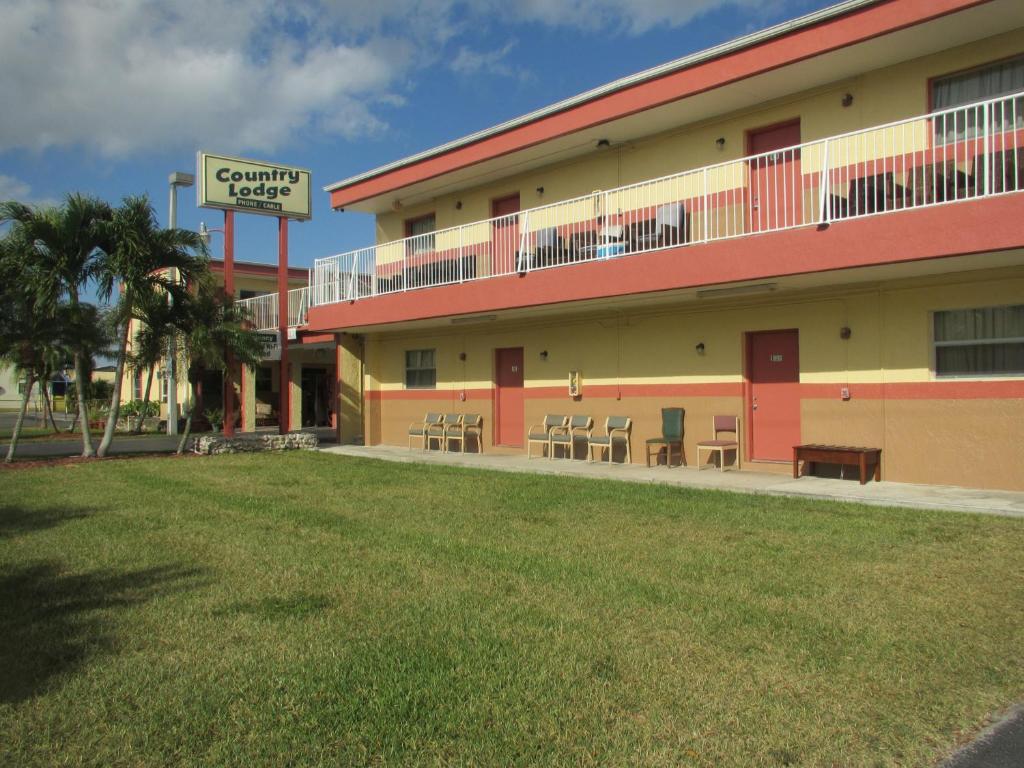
(13, 189)
(119, 77)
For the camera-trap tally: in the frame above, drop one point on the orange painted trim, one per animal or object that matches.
(989, 389)
(954, 229)
(262, 270)
(311, 338)
(829, 35)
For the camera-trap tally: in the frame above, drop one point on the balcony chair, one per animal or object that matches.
(616, 432)
(670, 225)
(440, 430)
(419, 429)
(722, 424)
(472, 425)
(583, 245)
(550, 248)
(671, 435)
(541, 433)
(578, 427)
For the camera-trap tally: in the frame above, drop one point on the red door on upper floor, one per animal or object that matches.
(773, 366)
(776, 195)
(505, 234)
(508, 397)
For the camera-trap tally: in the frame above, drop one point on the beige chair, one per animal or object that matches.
(541, 433)
(419, 429)
(440, 430)
(722, 424)
(578, 427)
(472, 425)
(616, 432)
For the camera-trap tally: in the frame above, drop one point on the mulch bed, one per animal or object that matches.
(77, 460)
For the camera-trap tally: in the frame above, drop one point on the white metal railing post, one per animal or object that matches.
(405, 267)
(352, 280)
(989, 165)
(462, 255)
(823, 192)
(706, 205)
(524, 257)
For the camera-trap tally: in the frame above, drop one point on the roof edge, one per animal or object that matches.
(622, 83)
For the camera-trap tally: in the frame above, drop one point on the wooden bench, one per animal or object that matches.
(838, 454)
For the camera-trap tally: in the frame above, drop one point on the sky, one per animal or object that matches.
(107, 97)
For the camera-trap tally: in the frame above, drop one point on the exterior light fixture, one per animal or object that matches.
(845, 332)
(540, 191)
(720, 142)
(603, 143)
(847, 100)
(458, 205)
(544, 355)
(700, 348)
(462, 356)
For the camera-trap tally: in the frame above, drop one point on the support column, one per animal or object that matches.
(295, 394)
(282, 323)
(229, 290)
(248, 399)
(349, 388)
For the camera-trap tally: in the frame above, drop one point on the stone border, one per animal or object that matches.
(212, 445)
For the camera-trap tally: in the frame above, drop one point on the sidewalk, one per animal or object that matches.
(1007, 503)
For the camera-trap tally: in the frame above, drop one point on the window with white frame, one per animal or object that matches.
(137, 387)
(989, 82)
(980, 342)
(420, 369)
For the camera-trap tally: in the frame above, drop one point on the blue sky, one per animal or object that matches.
(109, 96)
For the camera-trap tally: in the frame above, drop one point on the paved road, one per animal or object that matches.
(122, 445)
(1001, 746)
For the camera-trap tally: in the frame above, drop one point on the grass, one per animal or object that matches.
(318, 610)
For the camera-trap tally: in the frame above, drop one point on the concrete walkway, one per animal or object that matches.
(1007, 503)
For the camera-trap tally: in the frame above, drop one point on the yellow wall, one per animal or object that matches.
(880, 96)
(973, 442)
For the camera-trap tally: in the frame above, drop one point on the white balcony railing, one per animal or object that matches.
(940, 158)
(263, 310)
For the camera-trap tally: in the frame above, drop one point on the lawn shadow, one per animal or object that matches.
(53, 622)
(15, 520)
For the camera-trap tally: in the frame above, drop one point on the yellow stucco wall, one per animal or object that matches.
(925, 437)
(880, 96)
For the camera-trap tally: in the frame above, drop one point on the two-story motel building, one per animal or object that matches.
(818, 228)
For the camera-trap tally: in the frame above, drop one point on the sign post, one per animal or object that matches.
(270, 189)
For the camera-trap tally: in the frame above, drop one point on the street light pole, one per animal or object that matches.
(176, 179)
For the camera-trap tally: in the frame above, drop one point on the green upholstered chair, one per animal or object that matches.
(578, 427)
(419, 429)
(671, 436)
(541, 433)
(440, 431)
(472, 425)
(616, 432)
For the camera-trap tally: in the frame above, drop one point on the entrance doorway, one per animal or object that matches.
(508, 397)
(773, 368)
(316, 397)
(505, 234)
(776, 184)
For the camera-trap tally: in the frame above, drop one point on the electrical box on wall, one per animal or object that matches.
(844, 393)
(575, 384)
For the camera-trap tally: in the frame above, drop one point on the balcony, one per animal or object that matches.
(263, 310)
(942, 158)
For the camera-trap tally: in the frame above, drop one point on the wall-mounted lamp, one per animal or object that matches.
(458, 205)
(720, 142)
(544, 355)
(847, 100)
(602, 143)
(540, 190)
(700, 348)
(845, 332)
(396, 205)
(462, 356)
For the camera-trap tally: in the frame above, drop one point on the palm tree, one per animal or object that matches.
(137, 257)
(214, 329)
(29, 331)
(67, 239)
(158, 324)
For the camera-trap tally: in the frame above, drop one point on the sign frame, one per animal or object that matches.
(264, 207)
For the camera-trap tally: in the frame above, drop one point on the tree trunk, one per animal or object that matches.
(48, 409)
(115, 398)
(145, 402)
(21, 420)
(81, 385)
(188, 418)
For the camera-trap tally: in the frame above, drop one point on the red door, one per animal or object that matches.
(505, 234)
(776, 195)
(508, 397)
(774, 367)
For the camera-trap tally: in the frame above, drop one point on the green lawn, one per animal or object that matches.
(317, 610)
